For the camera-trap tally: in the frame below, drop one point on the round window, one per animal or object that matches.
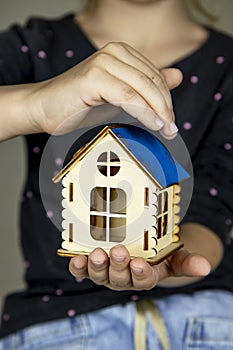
(108, 163)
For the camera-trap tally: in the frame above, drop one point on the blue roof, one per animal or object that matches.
(151, 154)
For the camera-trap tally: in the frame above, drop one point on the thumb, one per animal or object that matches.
(172, 76)
(184, 263)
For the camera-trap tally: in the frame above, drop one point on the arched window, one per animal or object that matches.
(108, 214)
(108, 163)
(162, 213)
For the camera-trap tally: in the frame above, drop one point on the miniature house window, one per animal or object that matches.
(146, 240)
(108, 214)
(71, 232)
(108, 163)
(146, 197)
(162, 214)
(71, 192)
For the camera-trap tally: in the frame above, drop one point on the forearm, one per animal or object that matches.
(59, 104)
(16, 107)
(201, 240)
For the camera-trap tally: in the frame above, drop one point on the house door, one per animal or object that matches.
(108, 214)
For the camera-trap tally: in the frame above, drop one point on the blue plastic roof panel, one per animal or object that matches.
(151, 154)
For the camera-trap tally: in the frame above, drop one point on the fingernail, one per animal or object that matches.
(173, 128)
(118, 259)
(167, 137)
(78, 265)
(136, 270)
(158, 123)
(98, 261)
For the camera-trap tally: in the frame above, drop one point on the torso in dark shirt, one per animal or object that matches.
(203, 107)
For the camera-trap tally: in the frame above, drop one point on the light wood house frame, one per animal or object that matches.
(121, 187)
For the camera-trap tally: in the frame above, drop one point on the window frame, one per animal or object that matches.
(108, 215)
(162, 213)
(109, 165)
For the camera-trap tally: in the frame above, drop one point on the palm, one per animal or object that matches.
(120, 272)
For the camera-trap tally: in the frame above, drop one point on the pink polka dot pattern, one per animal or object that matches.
(45, 298)
(58, 161)
(220, 59)
(194, 79)
(24, 48)
(187, 126)
(228, 146)
(218, 96)
(228, 241)
(71, 313)
(59, 292)
(79, 280)
(49, 214)
(69, 53)
(213, 192)
(36, 149)
(134, 297)
(6, 317)
(42, 54)
(228, 221)
(26, 264)
(29, 194)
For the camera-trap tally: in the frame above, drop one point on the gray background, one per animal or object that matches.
(12, 158)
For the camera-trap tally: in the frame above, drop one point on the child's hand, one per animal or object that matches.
(116, 74)
(119, 272)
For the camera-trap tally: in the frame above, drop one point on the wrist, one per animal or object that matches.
(18, 105)
(34, 107)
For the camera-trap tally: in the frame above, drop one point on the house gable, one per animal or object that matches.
(150, 154)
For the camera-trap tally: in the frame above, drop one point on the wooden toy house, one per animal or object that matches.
(121, 187)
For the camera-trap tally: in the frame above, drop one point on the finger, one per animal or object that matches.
(173, 79)
(144, 277)
(119, 272)
(172, 76)
(150, 89)
(189, 264)
(130, 56)
(98, 266)
(125, 96)
(169, 131)
(140, 56)
(78, 266)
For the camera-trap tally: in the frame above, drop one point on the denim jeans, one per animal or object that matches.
(203, 321)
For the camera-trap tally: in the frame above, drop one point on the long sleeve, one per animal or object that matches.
(212, 200)
(15, 60)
